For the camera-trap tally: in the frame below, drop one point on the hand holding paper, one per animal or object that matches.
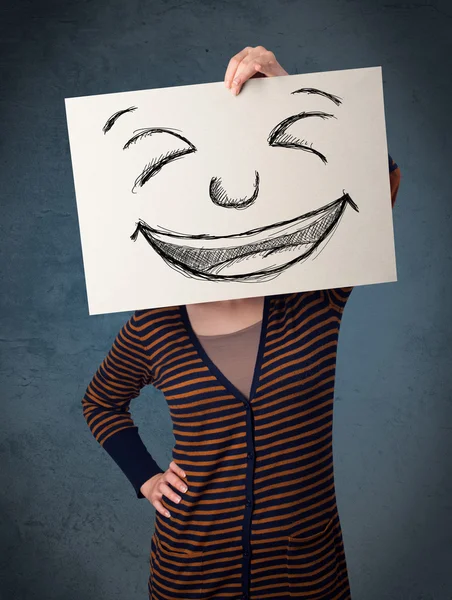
(247, 63)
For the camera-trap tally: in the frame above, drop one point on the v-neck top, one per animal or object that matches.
(259, 519)
(234, 354)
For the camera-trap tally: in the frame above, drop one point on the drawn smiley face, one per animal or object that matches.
(258, 254)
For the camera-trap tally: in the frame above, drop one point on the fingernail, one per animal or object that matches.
(184, 489)
(183, 474)
(168, 514)
(236, 81)
(235, 91)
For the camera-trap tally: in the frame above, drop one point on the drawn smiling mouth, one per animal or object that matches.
(255, 255)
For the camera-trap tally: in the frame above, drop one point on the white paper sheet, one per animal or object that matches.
(282, 188)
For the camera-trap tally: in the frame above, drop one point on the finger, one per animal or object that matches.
(176, 482)
(233, 65)
(165, 490)
(270, 67)
(245, 71)
(256, 68)
(160, 508)
(259, 61)
(174, 467)
(250, 65)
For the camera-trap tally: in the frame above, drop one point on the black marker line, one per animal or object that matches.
(206, 263)
(148, 131)
(219, 195)
(336, 99)
(112, 120)
(279, 138)
(157, 164)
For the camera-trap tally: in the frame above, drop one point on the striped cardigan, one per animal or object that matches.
(259, 520)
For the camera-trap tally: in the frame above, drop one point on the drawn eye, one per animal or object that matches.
(280, 138)
(156, 164)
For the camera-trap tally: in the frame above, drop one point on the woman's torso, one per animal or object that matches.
(259, 469)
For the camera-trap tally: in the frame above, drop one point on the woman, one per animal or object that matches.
(249, 384)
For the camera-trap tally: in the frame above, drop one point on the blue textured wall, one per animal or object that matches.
(71, 527)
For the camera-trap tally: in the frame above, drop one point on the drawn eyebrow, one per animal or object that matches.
(336, 99)
(112, 120)
(141, 133)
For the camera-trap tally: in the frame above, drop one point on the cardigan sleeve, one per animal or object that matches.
(106, 405)
(338, 297)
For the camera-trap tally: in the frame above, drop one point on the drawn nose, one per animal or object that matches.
(220, 197)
